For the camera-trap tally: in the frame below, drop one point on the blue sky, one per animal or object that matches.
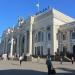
(11, 9)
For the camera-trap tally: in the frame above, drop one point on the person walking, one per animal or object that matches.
(51, 70)
(49, 65)
(61, 60)
(72, 60)
(20, 59)
(38, 59)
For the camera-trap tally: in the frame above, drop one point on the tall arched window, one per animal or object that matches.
(40, 36)
(36, 37)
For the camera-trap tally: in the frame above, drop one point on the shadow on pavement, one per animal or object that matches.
(68, 71)
(33, 72)
(21, 72)
(65, 74)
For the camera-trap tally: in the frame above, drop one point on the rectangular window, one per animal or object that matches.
(41, 50)
(48, 51)
(42, 36)
(64, 36)
(35, 37)
(49, 36)
(64, 50)
(38, 50)
(35, 51)
(73, 35)
(39, 36)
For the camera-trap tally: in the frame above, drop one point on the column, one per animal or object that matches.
(25, 43)
(30, 40)
(11, 50)
(45, 50)
(69, 41)
(30, 35)
(20, 45)
(60, 41)
(12, 43)
(6, 45)
(17, 45)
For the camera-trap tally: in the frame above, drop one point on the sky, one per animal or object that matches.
(11, 9)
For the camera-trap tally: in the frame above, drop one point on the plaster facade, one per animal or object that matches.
(38, 35)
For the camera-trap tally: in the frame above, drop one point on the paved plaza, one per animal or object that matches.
(34, 67)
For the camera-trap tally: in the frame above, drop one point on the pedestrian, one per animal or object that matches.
(49, 65)
(38, 59)
(61, 60)
(72, 60)
(20, 59)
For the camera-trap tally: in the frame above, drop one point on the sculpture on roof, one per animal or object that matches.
(21, 21)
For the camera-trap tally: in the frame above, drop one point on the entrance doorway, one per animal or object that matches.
(48, 51)
(74, 51)
(64, 50)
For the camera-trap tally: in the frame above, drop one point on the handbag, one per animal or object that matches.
(53, 71)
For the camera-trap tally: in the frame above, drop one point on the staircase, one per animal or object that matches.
(65, 58)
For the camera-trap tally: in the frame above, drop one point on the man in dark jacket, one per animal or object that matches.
(49, 65)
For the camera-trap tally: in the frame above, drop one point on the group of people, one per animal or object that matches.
(72, 60)
(51, 70)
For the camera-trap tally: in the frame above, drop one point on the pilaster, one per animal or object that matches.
(17, 45)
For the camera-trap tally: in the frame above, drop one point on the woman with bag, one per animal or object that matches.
(51, 70)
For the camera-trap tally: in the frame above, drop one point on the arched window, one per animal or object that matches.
(40, 36)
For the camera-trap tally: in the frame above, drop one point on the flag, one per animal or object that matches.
(37, 5)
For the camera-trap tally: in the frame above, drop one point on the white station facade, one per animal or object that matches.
(41, 34)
